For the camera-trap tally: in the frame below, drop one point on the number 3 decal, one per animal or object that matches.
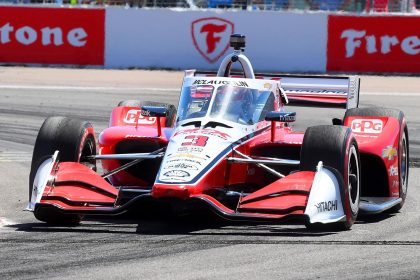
(196, 140)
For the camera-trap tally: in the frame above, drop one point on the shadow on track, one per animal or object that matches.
(195, 225)
(373, 219)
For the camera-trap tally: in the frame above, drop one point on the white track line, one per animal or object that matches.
(125, 89)
(87, 88)
(405, 94)
(15, 156)
(5, 222)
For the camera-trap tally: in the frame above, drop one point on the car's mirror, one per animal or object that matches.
(280, 116)
(154, 111)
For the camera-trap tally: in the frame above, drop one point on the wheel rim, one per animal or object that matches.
(89, 149)
(353, 180)
(404, 167)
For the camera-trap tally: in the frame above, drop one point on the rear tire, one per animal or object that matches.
(403, 147)
(170, 119)
(337, 148)
(75, 140)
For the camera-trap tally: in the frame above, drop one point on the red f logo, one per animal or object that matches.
(211, 37)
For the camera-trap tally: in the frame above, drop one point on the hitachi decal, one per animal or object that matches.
(215, 82)
(327, 206)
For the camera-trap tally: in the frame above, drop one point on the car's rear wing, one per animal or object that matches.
(319, 91)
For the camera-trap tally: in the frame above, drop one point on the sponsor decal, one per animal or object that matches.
(395, 183)
(184, 160)
(367, 126)
(393, 170)
(373, 44)
(211, 37)
(205, 131)
(181, 165)
(353, 40)
(186, 155)
(177, 173)
(145, 113)
(373, 136)
(135, 136)
(267, 86)
(326, 206)
(52, 35)
(287, 118)
(389, 152)
(133, 115)
(217, 82)
(190, 149)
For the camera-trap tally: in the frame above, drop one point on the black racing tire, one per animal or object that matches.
(403, 169)
(75, 140)
(170, 119)
(337, 148)
(373, 112)
(403, 147)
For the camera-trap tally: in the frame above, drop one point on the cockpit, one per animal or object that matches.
(241, 101)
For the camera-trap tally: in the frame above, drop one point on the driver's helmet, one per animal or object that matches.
(235, 101)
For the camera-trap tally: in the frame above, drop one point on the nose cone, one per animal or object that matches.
(174, 191)
(191, 153)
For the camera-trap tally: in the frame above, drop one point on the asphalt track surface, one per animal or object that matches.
(386, 246)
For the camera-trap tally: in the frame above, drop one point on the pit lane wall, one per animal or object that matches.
(116, 37)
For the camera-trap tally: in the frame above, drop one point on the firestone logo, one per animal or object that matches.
(52, 35)
(27, 35)
(356, 39)
(211, 37)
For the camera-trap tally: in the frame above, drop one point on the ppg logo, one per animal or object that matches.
(367, 126)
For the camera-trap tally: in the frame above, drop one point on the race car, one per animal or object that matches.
(230, 148)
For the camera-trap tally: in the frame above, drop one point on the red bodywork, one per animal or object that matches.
(234, 191)
(78, 189)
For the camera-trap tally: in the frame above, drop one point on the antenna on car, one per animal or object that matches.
(237, 42)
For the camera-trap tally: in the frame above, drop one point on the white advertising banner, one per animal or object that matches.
(182, 39)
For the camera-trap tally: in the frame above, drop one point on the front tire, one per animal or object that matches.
(336, 147)
(75, 141)
(403, 150)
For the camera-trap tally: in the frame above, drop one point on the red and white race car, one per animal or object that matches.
(229, 148)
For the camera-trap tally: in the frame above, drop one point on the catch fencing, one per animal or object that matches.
(354, 6)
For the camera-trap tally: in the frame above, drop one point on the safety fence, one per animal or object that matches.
(281, 41)
(355, 6)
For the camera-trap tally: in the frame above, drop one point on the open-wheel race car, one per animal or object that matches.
(229, 148)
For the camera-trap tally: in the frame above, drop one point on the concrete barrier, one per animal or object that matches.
(117, 37)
